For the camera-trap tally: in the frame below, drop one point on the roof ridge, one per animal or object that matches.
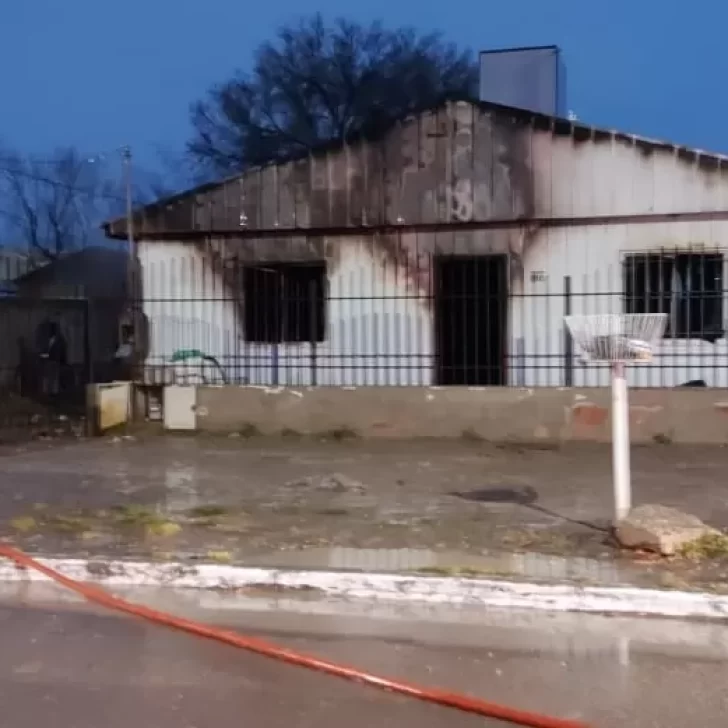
(561, 126)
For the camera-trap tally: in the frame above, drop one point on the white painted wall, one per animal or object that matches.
(186, 307)
(592, 256)
(376, 335)
(379, 332)
(612, 177)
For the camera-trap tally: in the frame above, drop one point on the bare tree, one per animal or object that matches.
(318, 82)
(53, 205)
(175, 172)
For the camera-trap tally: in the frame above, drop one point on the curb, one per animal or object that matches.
(384, 587)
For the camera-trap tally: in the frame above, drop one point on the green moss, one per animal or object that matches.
(710, 546)
(462, 572)
(133, 515)
(24, 524)
(162, 529)
(138, 516)
(208, 511)
(219, 557)
(70, 523)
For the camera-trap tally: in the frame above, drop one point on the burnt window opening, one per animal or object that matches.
(285, 302)
(688, 287)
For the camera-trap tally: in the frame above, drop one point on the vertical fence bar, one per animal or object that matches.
(274, 326)
(568, 341)
(88, 349)
(314, 324)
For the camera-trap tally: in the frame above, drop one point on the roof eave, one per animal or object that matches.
(116, 228)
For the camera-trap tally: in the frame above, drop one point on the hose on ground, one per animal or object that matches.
(464, 703)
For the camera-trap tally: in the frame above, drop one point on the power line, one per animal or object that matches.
(16, 166)
(97, 191)
(51, 161)
(62, 185)
(109, 154)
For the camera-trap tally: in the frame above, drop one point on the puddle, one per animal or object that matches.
(531, 566)
(181, 492)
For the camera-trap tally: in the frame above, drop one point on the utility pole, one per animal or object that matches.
(126, 161)
(133, 316)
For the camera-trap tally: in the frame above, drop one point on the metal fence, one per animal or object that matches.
(460, 322)
(453, 320)
(45, 395)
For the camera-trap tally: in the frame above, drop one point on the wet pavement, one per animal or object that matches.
(70, 665)
(83, 672)
(439, 507)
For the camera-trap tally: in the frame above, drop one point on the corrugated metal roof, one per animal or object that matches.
(558, 126)
(101, 272)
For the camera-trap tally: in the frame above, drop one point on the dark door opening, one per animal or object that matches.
(471, 299)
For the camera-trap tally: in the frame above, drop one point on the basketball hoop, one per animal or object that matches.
(618, 339)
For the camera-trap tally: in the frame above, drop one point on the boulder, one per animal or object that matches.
(660, 529)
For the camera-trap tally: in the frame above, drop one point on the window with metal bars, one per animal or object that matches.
(686, 286)
(284, 302)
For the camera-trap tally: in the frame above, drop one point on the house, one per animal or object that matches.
(13, 263)
(84, 292)
(445, 251)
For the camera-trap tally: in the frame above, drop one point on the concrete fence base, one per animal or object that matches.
(490, 413)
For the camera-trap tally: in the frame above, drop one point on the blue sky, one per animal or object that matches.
(100, 74)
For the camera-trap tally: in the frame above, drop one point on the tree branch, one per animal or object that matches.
(318, 82)
(54, 204)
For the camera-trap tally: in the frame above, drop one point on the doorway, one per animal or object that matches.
(471, 300)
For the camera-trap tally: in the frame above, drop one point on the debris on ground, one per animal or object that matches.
(335, 483)
(456, 507)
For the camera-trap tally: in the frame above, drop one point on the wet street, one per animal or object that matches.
(438, 507)
(69, 665)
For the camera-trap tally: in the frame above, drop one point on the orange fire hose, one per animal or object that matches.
(261, 647)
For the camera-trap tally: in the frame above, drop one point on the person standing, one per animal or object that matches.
(55, 359)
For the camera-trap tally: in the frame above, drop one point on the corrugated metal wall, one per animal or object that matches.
(377, 333)
(593, 260)
(459, 164)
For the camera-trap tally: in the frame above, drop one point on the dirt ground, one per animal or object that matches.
(449, 507)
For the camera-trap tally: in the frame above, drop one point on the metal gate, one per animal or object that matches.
(39, 398)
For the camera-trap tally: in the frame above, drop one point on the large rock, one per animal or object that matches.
(661, 529)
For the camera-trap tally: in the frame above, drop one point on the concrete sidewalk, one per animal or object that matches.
(428, 507)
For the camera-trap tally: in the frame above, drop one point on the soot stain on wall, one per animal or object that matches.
(458, 163)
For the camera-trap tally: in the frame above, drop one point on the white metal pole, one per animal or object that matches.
(620, 443)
